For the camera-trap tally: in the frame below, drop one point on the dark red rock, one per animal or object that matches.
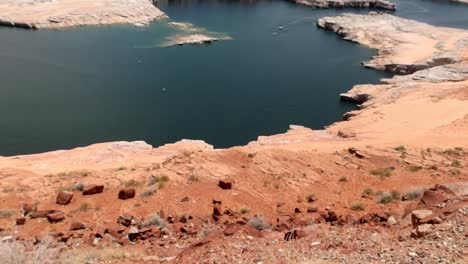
(225, 185)
(126, 193)
(77, 226)
(20, 221)
(185, 199)
(92, 189)
(41, 214)
(331, 217)
(216, 210)
(312, 209)
(64, 198)
(55, 217)
(433, 198)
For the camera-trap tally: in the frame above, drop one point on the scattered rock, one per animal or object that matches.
(20, 221)
(64, 198)
(77, 226)
(422, 230)
(392, 221)
(55, 217)
(126, 193)
(41, 214)
(418, 215)
(225, 185)
(93, 189)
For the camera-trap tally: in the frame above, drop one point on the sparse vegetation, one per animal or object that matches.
(8, 189)
(98, 255)
(457, 151)
(414, 194)
(193, 178)
(367, 191)
(160, 180)
(65, 189)
(148, 193)
(395, 195)
(6, 213)
(456, 164)
(414, 168)
(85, 206)
(455, 172)
(385, 198)
(400, 148)
(310, 197)
(357, 206)
(79, 186)
(343, 179)
(259, 223)
(244, 210)
(132, 183)
(154, 220)
(383, 173)
(15, 252)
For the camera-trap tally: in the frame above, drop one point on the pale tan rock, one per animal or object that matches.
(68, 13)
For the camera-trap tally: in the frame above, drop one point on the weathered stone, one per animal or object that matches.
(225, 185)
(41, 214)
(417, 215)
(126, 193)
(433, 198)
(422, 230)
(20, 221)
(77, 226)
(55, 217)
(392, 221)
(64, 198)
(92, 189)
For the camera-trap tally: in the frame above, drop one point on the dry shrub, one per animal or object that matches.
(15, 252)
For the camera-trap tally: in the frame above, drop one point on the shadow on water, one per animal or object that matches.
(68, 88)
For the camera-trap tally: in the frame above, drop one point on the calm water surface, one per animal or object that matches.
(68, 88)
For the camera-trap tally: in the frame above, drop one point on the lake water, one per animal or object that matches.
(68, 88)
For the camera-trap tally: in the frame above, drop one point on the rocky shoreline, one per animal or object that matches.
(39, 14)
(377, 4)
(388, 184)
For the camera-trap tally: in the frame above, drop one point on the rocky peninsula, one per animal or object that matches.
(389, 183)
(377, 4)
(35, 14)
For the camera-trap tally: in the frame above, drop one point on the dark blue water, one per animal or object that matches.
(69, 88)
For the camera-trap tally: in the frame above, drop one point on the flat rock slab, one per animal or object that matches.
(67, 13)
